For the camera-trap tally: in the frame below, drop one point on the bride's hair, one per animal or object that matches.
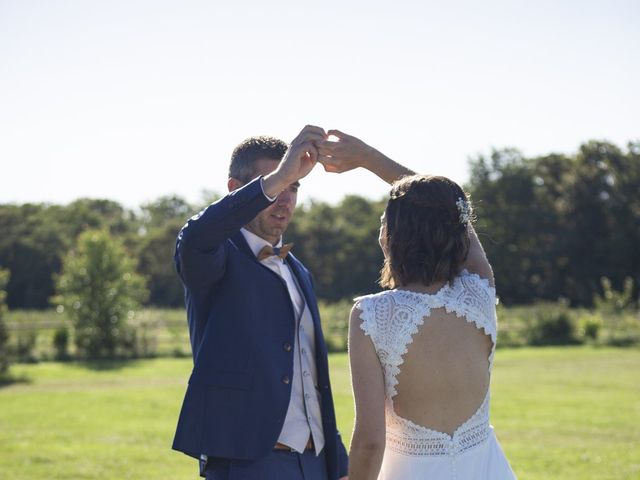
(425, 231)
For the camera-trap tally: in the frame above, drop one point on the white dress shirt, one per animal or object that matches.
(304, 417)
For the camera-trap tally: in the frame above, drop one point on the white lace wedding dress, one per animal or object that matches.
(391, 319)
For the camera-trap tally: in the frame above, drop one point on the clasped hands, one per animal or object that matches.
(335, 150)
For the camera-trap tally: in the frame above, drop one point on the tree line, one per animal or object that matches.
(553, 227)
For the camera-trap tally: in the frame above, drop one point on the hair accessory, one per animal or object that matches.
(465, 211)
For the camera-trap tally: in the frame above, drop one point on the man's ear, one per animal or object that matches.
(233, 184)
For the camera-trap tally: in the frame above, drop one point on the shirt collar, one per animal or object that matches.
(257, 243)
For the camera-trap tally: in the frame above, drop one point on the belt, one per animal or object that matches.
(282, 446)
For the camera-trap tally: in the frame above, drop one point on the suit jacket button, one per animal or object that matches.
(286, 346)
(286, 380)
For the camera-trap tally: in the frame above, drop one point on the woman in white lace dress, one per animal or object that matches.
(422, 351)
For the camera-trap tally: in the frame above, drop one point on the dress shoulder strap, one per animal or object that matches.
(367, 305)
(471, 296)
(391, 318)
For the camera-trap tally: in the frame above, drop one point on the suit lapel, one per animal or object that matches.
(303, 281)
(240, 242)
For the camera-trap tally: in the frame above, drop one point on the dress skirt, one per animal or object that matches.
(485, 461)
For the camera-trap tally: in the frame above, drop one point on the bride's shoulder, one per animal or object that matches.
(472, 281)
(371, 299)
(472, 296)
(369, 311)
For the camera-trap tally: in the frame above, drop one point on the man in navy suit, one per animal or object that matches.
(259, 403)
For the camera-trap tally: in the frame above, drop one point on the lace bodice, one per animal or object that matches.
(391, 318)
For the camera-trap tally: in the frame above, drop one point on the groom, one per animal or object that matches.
(258, 404)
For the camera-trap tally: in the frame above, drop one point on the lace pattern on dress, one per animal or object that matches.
(391, 319)
(408, 438)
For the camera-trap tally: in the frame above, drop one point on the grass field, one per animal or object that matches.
(559, 413)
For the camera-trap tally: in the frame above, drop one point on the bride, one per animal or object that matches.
(421, 352)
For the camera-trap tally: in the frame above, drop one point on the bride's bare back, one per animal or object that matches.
(444, 377)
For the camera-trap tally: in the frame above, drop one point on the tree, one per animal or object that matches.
(100, 289)
(339, 245)
(31, 245)
(168, 209)
(555, 225)
(4, 334)
(155, 253)
(603, 219)
(35, 237)
(515, 223)
(160, 222)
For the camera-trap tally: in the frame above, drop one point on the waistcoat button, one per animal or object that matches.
(286, 346)
(286, 380)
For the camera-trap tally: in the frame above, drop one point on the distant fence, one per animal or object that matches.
(160, 332)
(164, 332)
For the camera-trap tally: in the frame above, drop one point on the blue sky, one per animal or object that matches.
(131, 100)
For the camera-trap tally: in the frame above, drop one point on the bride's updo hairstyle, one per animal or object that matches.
(425, 231)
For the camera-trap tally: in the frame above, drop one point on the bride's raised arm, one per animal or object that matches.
(477, 261)
(349, 152)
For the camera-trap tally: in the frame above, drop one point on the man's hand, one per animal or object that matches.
(297, 162)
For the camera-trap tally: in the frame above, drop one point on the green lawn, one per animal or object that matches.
(559, 413)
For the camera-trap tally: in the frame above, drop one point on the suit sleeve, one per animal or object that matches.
(200, 254)
(343, 458)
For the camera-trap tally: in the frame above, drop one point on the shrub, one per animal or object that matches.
(4, 333)
(61, 343)
(335, 324)
(25, 348)
(141, 339)
(623, 330)
(552, 324)
(590, 326)
(100, 291)
(613, 301)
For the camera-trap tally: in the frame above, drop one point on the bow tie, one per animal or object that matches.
(270, 251)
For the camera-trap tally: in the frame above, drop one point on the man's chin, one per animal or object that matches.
(279, 228)
(277, 232)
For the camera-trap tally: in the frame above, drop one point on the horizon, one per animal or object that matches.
(206, 194)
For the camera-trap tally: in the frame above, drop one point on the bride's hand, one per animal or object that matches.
(343, 154)
(349, 152)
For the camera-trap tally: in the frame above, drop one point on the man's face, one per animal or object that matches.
(272, 222)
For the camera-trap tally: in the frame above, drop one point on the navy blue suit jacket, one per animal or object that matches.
(242, 327)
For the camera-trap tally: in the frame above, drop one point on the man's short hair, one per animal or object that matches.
(246, 154)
